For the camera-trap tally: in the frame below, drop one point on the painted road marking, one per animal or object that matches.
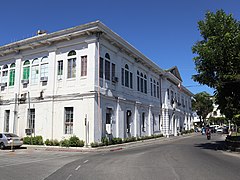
(77, 167)
(85, 161)
(69, 176)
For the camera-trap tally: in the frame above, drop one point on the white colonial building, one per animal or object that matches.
(89, 82)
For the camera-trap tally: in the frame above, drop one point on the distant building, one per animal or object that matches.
(89, 82)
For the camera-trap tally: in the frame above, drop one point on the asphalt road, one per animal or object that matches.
(191, 158)
(186, 158)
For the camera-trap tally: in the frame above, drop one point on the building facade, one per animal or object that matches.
(89, 82)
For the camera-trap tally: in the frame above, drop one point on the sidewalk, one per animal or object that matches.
(106, 148)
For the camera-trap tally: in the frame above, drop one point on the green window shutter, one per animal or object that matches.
(12, 77)
(26, 72)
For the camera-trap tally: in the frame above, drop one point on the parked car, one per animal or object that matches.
(9, 139)
(220, 130)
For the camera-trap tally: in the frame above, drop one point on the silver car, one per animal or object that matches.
(9, 140)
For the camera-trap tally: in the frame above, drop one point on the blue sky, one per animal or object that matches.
(164, 31)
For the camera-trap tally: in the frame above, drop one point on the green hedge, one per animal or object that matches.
(105, 141)
(37, 140)
(51, 142)
(72, 142)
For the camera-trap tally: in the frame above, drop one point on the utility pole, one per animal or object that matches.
(15, 115)
(29, 116)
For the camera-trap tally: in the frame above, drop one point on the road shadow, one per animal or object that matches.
(212, 145)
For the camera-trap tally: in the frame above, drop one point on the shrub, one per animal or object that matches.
(48, 142)
(105, 141)
(37, 140)
(54, 142)
(64, 143)
(129, 139)
(94, 144)
(74, 141)
(27, 140)
(71, 142)
(116, 140)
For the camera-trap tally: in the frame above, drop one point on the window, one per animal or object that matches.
(26, 70)
(5, 74)
(143, 122)
(113, 72)
(31, 120)
(107, 66)
(84, 66)
(158, 90)
(12, 75)
(35, 71)
(151, 86)
(60, 68)
(6, 120)
(108, 115)
(154, 88)
(101, 68)
(127, 77)
(122, 76)
(44, 67)
(138, 81)
(141, 82)
(107, 70)
(71, 64)
(68, 120)
(131, 80)
(128, 120)
(145, 84)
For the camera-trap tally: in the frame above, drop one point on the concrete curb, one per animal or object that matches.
(115, 147)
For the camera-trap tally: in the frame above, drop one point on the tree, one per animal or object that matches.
(218, 59)
(202, 103)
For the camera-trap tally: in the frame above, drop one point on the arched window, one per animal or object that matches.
(44, 69)
(71, 73)
(107, 56)
(12, 74)
(5, 74)
(35, 71)
(26, 70)
(72, 53)
(12, 65)
(127, 77)
(107, 66)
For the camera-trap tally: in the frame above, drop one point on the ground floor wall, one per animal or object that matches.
(90, 118)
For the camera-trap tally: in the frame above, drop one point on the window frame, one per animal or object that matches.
(68, 120)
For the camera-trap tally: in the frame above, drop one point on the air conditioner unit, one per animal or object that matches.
(28, 131)
(25, 81)
(108, 129)
(3, 84)
(23, 96)
(114, 79)
(44, 79)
